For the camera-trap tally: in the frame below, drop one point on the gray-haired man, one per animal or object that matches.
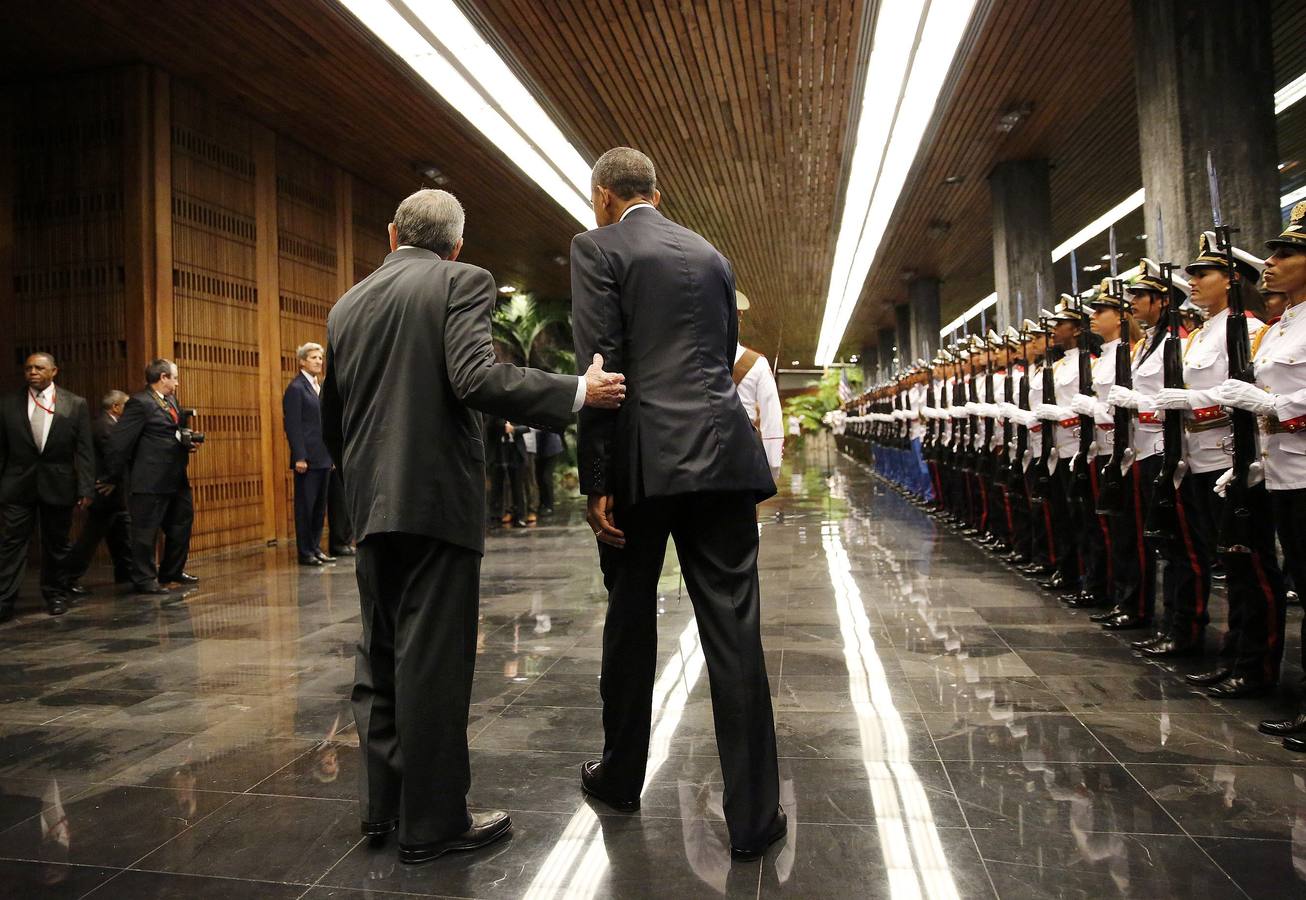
(410, 366)
(301, 410)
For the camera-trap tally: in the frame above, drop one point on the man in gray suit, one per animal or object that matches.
(679, 460)
(409, 365)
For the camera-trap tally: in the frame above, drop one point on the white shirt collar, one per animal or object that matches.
(630, 209)
(42, 394)
(1110, 345)
(312, 379)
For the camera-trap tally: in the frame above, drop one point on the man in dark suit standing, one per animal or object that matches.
(107, 517)
(148, 449)
(679, 460)
(409, 364)
(302, 413)
(506, 449)
(47, 466)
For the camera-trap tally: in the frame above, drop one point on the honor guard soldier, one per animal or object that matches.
(1248, 663)
(1278, 398)
(1067, 527)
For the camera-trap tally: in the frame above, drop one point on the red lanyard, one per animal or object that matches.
(37, 400)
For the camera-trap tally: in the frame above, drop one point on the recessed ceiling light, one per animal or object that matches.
(954, 179)
(794, 363)
(507, 289)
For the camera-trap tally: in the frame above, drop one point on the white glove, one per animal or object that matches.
(1102, 413)
(1046, 411)
(956, 412)
(972, 409)
(1241, 395)
(1174, 398)
(1006, 410)
(1222, 483)
(1123, 396)
(1083, 404)
(1025, 417)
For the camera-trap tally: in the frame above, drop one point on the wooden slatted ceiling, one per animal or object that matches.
(1073, 64)
(744, 108)
(308, 69)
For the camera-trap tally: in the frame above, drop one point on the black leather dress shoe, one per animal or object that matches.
(1206, 679)
(1149, 641)
(1100, 617)
(1055, 582)
(343, 551)
(1172, 648)
(1082, 600)
(77, 590)
(487, 827)
(1295, 744)
(377, 832)
(591, 782)
(184, 578)
(1284, 727)
(324, 558)
(1035, 570)
(1236, 687)
(151, 589)
(778, 829)
(309, 561)
(1000, 547)
(1126, 622)
(56, 606)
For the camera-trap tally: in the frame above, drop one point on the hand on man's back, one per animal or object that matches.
(603, 390)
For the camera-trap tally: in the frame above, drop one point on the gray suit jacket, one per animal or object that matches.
(658, 302)
(409, 361)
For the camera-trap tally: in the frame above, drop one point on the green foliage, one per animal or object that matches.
(538, 334)
(811, 408)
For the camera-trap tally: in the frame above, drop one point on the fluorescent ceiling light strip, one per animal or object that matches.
(1290, 93)
(471, 77)
(881, 161)
(1100, 224)
(1290, 198)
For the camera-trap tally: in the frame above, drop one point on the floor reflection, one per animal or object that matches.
(945, 730)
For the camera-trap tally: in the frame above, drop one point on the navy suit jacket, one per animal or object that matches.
(302, 409)
(658, 301)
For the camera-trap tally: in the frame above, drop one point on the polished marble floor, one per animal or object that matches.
(945, 731)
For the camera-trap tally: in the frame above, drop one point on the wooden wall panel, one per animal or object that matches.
(66, 184)
(215, 310)
(373, 210)
(308, 210)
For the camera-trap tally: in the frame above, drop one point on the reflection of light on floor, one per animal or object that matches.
(909, 840)
(577, 862)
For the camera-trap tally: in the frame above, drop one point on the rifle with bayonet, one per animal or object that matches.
(1162, 522)
(1041, 488)
(1016, 475)
(1112, 498)
(1083, 487)
(1235, 535)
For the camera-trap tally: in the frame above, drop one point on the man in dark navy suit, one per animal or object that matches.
(679, 459)
(149, 453)
(47, 466)
(302, 411)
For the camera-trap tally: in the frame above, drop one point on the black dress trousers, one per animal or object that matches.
(1133, 564)
(716, 542)
(1290, 521)
(1256, 592)
(173, 513)
(413, 682)
(310, 510)
(340, 529)
(20, 520)
(106, 520)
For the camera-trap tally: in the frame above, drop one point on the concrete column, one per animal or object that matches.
(902, 334)
(1205, 82)
(870, 364)
(887, 341)
(1022, 239)
(923, 301)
